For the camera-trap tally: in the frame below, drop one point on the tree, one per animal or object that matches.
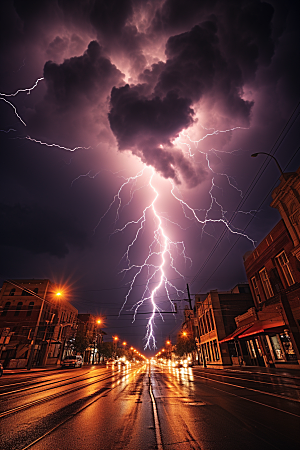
(106, 349)
(185, 344)
(81, 343)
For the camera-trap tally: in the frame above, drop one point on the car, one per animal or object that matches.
(72, 361)
(1, 370)
(111, 362)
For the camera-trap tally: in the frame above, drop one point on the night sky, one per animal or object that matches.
(166, 98)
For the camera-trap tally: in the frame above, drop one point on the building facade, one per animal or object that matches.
(214, 320)
(34, 323)
(269, 333)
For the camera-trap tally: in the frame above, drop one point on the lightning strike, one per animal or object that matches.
(15, 110)
(28, 90)
(162, 251)
(54, 145)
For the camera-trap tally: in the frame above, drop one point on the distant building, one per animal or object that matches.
(214, 320)
(34, 323)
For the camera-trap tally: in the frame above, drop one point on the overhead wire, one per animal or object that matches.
(250, 189)
(270, 191)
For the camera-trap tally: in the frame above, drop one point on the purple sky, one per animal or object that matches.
(174, 93)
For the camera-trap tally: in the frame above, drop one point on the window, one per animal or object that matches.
(18, 309)
(211, 320)
(212, 351)
(24, 293)
(285, 267)
(30, 308)
(12, 291)
(216, 349)
(266, 283)
(255, 289)
(36, 290)
(207, 318)
(6, 308)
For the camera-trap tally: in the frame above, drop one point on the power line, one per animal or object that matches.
(246, 226)
(249, 190)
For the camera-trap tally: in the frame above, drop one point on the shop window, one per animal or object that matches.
(285, 267)
(288, 346)
(277, 347)
(6, 308)
(255, 289)
(30, 308)
(251, 349)
(18, 309)
(266, 283)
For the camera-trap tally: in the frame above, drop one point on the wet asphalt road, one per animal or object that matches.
(145, 407)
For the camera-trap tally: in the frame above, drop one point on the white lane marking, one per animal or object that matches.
(255, 390)
(156, 420)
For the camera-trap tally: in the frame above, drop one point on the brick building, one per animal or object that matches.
(269, 333)
(214, 320)
(35, 324)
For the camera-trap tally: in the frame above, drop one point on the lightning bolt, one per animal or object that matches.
(14, 94)
(161, 257)
(163, 251)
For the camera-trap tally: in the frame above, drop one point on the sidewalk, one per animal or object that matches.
(39, 369)
(278, 371)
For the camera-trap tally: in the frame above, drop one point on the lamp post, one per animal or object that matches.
(254, 155)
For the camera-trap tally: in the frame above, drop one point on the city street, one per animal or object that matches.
(149, 406)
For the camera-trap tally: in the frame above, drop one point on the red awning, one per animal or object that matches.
(260, 327)
(236, 333)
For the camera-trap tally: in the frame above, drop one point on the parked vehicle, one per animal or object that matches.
(1, 370)
(72, 361)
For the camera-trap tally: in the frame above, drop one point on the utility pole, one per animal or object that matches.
(32, 345)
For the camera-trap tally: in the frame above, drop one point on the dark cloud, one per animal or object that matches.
(197, 66)
(89, 76)
(38, 230)
(143, 121)
(146, 127)
(74, 88)
(175, 15)
(109, 18)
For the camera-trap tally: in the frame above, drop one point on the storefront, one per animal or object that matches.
(268, 343)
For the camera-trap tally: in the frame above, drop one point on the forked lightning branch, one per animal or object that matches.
(162, 254)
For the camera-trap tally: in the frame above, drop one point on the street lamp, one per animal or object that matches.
(254, 155)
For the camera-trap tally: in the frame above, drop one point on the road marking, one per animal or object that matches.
(255, 390)
(156, 419)
(258, 403)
